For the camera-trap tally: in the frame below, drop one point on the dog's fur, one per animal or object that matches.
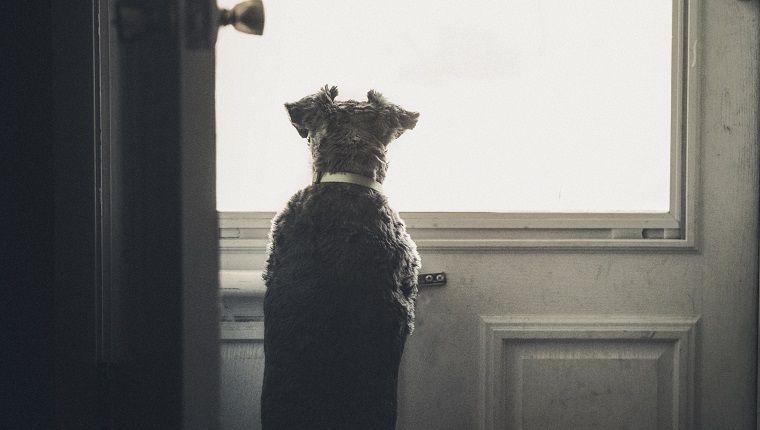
(341, 277)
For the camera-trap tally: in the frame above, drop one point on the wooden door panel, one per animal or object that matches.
(610, 372)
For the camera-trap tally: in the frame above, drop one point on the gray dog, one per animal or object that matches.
(341, 275)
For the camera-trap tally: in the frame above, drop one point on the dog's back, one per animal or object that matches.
(341, 285)
(341, 276)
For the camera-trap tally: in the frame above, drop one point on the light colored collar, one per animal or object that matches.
(348, 178)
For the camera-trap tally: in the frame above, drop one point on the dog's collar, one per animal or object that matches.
(348, 178)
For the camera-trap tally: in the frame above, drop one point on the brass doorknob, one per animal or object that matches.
(247, 17)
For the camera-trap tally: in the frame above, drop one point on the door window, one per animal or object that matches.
(527, 106)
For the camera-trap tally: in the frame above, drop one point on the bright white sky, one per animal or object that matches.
(525, 105)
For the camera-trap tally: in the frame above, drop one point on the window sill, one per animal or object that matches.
(247, 232)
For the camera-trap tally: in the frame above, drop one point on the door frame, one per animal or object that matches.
(86, 325)
(175, 302)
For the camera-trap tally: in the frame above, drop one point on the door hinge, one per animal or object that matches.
(431, 279)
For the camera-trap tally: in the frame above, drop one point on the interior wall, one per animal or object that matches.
(46, 230)
(46, 233)
(26, 196)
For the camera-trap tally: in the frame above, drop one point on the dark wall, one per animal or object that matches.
(26, 230)
(49, 260)
(46, 195)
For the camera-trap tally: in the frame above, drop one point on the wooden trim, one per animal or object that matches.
(239, 331)
(199, 263)
(248, 232)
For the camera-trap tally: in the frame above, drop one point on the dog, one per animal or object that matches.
(341, 275)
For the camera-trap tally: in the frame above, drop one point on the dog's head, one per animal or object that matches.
(349, 136)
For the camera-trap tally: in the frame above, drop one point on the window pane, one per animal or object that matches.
(526, 105)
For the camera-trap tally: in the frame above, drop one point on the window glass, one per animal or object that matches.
(525, 105)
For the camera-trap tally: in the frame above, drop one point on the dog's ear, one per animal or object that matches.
(330, 93)
(376, 98)
(399, 119)
(307, 113)
(407, 120)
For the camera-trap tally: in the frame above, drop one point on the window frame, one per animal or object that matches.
(246, 232)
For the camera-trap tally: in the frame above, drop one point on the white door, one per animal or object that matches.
(579, 320)
(629, 333)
